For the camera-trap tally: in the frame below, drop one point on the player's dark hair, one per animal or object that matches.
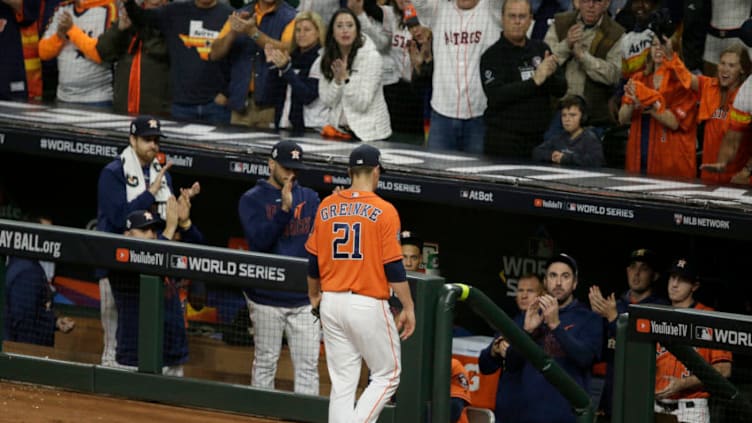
(360, 170)
(529, 5)
(577, 101)
(331, 48)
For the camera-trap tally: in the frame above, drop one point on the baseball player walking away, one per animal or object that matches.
(355, 256)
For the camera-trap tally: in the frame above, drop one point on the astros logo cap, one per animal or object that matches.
(288, 154)
(146, 126)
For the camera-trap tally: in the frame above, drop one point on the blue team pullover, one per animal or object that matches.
(112, 202)
(125, 290)
(28, 309)
(509, 405)
(269, 229)
(247, 58)
(13, 85)
(575, 345)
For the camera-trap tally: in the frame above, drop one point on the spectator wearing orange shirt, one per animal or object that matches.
(662, 114)
(717, 96)
(731, 147)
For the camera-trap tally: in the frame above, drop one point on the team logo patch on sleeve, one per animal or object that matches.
(463, 381)
(488, 76)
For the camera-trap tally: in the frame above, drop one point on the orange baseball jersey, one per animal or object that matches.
(670, 152)
(718, 120)
(460, 386)
(666, 364)
(359, 231)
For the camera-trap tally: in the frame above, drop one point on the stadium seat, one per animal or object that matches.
(480, 415)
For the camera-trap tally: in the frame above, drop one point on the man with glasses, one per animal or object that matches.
(520, 76)
(567, 331)
(587, 43)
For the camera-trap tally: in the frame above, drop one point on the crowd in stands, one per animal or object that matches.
(656, 81)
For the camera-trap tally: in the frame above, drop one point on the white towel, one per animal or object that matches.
(135, 181)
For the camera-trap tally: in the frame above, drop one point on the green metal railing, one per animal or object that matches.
(634, 378)
(499, 320)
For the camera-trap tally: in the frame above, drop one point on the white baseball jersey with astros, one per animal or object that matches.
(460, 36)
(725, 15)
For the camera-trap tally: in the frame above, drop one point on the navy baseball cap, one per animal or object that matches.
(366, 155)
(563, 258)
(146, 126)
(684, 268)
(288, 154)
(411, 238)
(646, 256)
(142, 219)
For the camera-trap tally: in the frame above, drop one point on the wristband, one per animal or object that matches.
(185, 225)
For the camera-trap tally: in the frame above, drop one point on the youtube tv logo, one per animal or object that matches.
(122, 255)
(643, 326)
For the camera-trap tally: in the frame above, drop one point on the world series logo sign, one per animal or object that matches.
(703, 333)
(706, 329)
(179, 262)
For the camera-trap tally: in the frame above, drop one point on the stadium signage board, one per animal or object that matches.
(182, 260)
(414, 173)
(707, 329)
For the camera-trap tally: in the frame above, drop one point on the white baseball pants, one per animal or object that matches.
(109, 317)
(303, 337)
(359, 327)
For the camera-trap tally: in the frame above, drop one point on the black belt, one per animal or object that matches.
(725, 33)
(673, 406)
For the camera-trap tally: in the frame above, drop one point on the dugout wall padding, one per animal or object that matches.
(79, 246)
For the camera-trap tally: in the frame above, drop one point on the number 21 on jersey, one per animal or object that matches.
(346, 242)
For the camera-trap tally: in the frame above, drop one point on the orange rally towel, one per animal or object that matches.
(646, 96)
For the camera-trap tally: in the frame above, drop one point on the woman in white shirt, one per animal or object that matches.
(350, 83)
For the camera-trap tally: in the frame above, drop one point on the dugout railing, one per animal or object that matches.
(146, 257)
(678, 330)
(496, 318)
